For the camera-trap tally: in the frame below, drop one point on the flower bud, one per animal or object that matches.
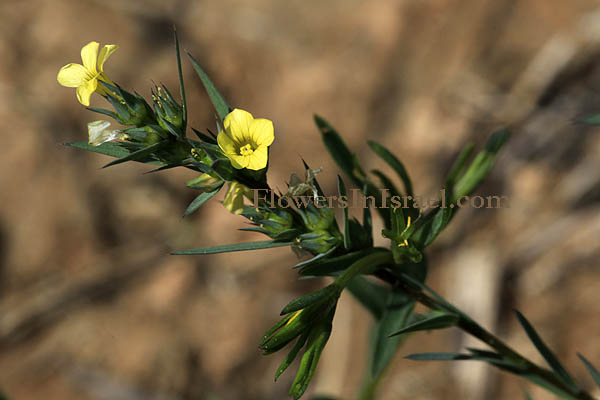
(168, 111)
(204, 182)
(130, 109)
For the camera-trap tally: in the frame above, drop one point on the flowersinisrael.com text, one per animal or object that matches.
(356, 199)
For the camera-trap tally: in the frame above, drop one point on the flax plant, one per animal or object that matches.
(388, 281)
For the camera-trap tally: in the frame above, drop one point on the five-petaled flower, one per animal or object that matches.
(245, 140)
(85, 77)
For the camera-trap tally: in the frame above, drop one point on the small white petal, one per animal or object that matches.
(98, 133)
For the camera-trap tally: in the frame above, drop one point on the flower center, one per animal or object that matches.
(246, 150)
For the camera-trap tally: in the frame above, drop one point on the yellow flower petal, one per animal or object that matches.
(239, 161)
(106, 51)
(237, 124)
(234, 199)
(85, 91)
(89, 56)
(72, 75)
(227, 145)
(258, 159)
(261, 131)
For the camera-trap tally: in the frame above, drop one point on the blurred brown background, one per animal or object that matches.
(92, 306)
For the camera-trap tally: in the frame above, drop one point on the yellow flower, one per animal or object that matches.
(234, 199)
(245, 140)
(85, 77)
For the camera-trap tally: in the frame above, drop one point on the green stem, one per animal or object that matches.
(473, 328)
(365, 265)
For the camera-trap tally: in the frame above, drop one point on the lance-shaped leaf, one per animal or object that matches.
(338, 149)
(368, 221)
(435, 320)
(203, 137)
(200, 200)
(548, 355)
(267, 244)
(591, 369)
(342, 192)
(396, 315)
(459, 166)
(348, 163)
(108, 149)
(481, 165)
(439, 219)
(328, 266)
(181, 85)
(103, 111)
(313, 260)
(443, 303)
(323, 295)
(438, 356)
(504, 364)
(393, 162)
(386, 182)
(139, 155)
(316, 342)
(291, 355)
(215, 97)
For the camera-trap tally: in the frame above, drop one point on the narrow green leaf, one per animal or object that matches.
(481, 165)
(368, 221)
(181, 85)
(315, 259)
(291, 355)
(267, 244)
(215, 97)
(458, 168)
(304, 301)
(442, 302)
(163, 168)
(371, 295)
(108, 149)
(393, 162)
(435, 320)
(386, 182)
(204, 137)
(348, 163)
(332, 265)
(591, 369)
(111, 114)
(548, 355)
(427, 232)
(336, 147)
(310, 359)
(438, 356)
(342, 192)
(396, 315)
(141, 154)
(200, 200)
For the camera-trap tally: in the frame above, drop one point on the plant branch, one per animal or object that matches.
(465, 323)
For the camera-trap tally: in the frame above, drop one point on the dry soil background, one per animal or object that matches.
(93, 308)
